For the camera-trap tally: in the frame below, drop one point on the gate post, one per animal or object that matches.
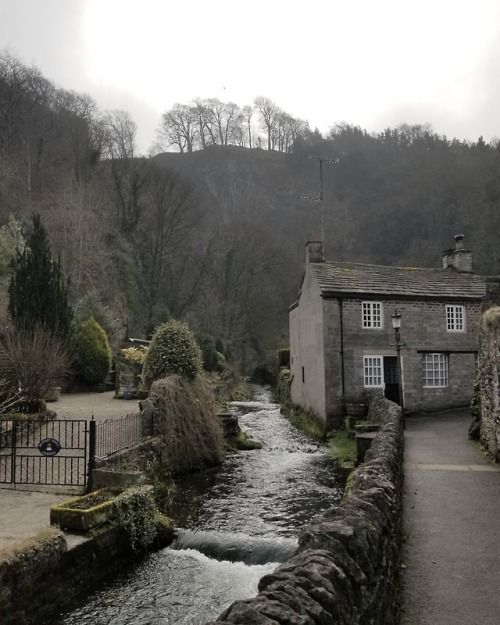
(92, 447)
(13, 454)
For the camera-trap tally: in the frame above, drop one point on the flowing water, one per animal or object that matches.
(236, 523)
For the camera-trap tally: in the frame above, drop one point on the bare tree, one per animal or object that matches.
(36, 361)
(269, 112)
(179, 127)
(169, 218)
(128, 173)
(119, 133)
(247, 116)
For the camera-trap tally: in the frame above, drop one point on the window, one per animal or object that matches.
(435, 370)
(455, 319)
(372, 314)
(372, 366)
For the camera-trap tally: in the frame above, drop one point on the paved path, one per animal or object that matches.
(99, 405)
(452, 523)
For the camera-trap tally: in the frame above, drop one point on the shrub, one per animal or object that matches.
(173, 350)
(36, 361)
(92, 353)
(213, 360)
(189, 425)
(136, 514)
(91, 305)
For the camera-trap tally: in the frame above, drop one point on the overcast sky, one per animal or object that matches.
(370, 63)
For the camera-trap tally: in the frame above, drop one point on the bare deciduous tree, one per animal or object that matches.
(269, 112)
(178, 127)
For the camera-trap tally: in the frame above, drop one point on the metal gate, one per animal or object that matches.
(45, 452)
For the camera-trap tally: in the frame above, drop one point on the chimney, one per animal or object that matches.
(459, 259)
(314, 249)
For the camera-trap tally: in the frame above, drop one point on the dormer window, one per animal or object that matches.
(455, 319)
(372, 314)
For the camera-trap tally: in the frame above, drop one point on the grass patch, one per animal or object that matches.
(342, 449)
(481, 451)
(243, 442)
(240, 392)
(305, 421)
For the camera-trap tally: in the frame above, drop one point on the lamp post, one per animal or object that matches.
(396, 324)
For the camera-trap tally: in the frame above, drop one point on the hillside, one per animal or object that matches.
(216, 236)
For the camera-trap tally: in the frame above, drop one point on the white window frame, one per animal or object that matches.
(371, 315)
(435, 367)
(455, 318)
(373, 371)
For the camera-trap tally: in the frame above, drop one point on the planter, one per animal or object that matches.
(81, 514)
(53, 394)
(356, 410)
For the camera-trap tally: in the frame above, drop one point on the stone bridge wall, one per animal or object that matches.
(346, 569)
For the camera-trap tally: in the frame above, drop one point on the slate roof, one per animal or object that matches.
(354, 278)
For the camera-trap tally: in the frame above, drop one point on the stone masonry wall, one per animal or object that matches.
(346, 569)
(489, 383)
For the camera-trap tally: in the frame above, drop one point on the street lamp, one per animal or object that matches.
(396, 324)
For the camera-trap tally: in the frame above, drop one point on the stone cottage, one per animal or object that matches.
(342, 340)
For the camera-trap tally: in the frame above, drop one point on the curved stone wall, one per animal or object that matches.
(346, 569)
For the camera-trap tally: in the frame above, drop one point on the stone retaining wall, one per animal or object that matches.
(45, 578)
(346, 569)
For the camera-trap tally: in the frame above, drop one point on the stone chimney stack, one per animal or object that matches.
(314, 249)
(459, 258)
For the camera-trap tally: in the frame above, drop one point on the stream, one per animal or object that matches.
(236, 523)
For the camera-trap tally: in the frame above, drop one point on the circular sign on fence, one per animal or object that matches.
(49, 447)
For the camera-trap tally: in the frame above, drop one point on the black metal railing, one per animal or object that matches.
(114, 435)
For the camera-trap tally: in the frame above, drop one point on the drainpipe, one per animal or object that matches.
(341, 314)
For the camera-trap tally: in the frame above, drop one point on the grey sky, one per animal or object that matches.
(374, 64)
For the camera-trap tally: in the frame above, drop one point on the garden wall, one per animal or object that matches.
(346, 569)
(488, 383)
(45, 577)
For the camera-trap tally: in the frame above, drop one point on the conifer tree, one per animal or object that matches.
(38, 291)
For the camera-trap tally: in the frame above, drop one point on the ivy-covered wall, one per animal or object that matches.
(488, 383)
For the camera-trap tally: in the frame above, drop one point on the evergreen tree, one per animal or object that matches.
(38, 291)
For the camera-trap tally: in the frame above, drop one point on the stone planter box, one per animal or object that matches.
(53, 394)
(81, 514)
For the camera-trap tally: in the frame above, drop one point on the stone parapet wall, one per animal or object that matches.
(346, 569)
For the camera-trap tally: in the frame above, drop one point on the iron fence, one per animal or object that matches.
(114, 435)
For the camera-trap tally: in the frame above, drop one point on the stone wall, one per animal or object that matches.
(45, 578)
(346, 569)
(488, 383)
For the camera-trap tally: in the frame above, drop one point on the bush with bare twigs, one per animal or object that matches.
(36, 361)
(10, 397)
(189, 424)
